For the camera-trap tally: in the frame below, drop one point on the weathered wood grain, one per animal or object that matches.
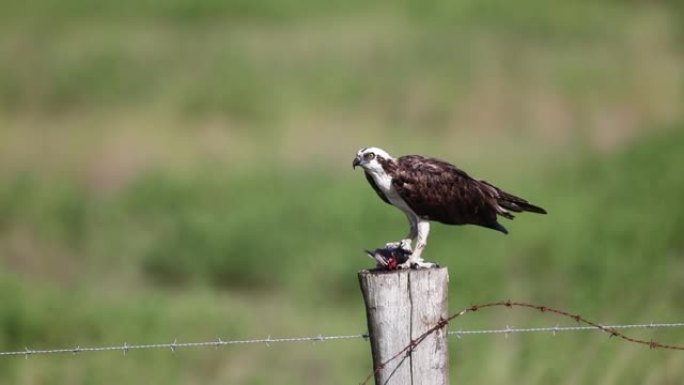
(400, 306)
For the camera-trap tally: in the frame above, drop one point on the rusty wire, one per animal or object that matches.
(173, 346)
(583, 325)
(613, 331)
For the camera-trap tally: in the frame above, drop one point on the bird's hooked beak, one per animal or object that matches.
(356, 162)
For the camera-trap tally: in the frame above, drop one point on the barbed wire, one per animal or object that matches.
(125, 348)
(560, 329)
(613, 331)
(173, 346)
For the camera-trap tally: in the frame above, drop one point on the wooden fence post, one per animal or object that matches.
(400, 306)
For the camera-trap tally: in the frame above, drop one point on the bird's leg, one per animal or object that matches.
(407, 242)
(415, 260)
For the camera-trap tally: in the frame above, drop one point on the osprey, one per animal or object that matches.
(429, 189)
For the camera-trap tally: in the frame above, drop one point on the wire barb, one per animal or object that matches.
(589, 325)
(584, 325)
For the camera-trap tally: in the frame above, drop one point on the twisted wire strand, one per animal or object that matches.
(588, 325)
(560, 329)
(178, 345)
(173, 346)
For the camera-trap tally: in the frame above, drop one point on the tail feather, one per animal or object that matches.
(520, 205)
(532, 208)
(497, 226)
(510, 202)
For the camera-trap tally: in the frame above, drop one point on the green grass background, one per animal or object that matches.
(181, 170)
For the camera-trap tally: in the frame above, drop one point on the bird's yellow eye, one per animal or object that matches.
(370, 156)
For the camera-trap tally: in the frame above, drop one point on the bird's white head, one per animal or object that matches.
(369, 159)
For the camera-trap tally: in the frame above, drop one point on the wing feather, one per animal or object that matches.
(439, 191)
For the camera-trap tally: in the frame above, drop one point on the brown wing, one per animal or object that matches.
(439, 191)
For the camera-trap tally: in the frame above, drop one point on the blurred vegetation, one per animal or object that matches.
(180, 169)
